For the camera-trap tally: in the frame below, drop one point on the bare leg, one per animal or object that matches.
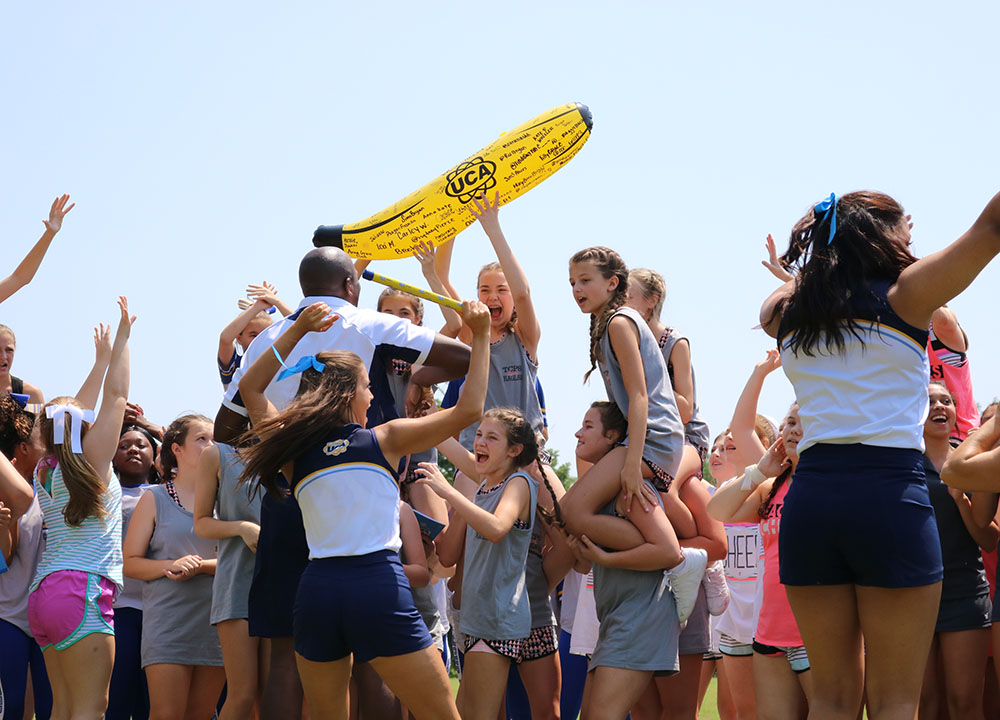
(610, 692)
(593, 491)
(896, 651)
(375, 700)
(679, 693)
(419, 680)
(240, 655)
(169, 685)
(738, 672)
(282, 696)
(325, 686)
(483, 683)
(206, 687)
(542, 679)
(777, 689)
(647, 706)
(931, 695)
(963, 657)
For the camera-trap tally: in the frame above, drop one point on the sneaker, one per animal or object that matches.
(685, 579)
(716, 589)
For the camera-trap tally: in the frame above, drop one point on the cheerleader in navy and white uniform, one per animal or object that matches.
(353, 601)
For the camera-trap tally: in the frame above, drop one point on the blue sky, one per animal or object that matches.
(205, 141)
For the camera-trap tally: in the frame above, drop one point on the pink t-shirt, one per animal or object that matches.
(776, 625)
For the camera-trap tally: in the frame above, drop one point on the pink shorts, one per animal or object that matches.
(68, 605)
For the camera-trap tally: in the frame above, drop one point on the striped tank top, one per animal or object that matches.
(94, 546)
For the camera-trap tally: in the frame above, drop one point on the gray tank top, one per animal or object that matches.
(639, 628)
(696, 429)
(511, 384)
(22, 567)
(495, 603)
(538, 585)
(234, 570)
(131, 594)
(664, 430)
(175, 616)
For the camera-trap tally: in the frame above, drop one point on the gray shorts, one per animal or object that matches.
(696, 637)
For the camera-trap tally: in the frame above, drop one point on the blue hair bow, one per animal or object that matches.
(309, 361)
(823, 209)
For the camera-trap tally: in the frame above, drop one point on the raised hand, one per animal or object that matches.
(265, 292)
(775, 460)
(57, 212)
(102, 343)
(425, 252)
(126, 321)
(430, 475)
(487, 215)
(476, 316)
(316, 318)
(774, 264)
(769, 364)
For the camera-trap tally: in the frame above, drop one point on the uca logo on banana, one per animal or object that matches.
(471, 178)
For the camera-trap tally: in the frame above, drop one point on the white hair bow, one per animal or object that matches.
(58, 413)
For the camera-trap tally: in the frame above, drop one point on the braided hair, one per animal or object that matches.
(609, 264)
(520, 432)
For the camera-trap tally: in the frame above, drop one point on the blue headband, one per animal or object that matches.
(823, 209)
(309, 361)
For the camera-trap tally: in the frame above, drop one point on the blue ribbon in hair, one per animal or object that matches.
(309, 361)
(824, 208)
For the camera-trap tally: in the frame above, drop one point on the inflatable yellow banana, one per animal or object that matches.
(513, 164)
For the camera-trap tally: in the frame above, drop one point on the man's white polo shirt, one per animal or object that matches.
(358, 330)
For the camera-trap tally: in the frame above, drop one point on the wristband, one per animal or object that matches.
(752, 477)
(275, 351)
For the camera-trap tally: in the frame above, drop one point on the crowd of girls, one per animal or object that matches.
(306, 555)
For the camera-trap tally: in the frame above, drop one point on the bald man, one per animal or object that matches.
(328, 275)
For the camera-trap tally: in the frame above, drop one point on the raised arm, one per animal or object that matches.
(269, 294)
(25, 271)
(101, 442)
(934, 280)
(979, 515)
(228, 335)
(738, 500)
(749, 448)
(493, 526)
(974, 466)
(448, 359)
(408, 435)
(315, 318)
(91, 387)
(948, 331)
(529, 331)
(15, 492)
(425, 254)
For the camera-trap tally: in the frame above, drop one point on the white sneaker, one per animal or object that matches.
(716, 589)
(685, 579)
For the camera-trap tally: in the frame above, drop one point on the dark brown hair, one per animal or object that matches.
(323, 403)
(870, 244)
(609, 264)
(612, 420)
(176, 432)
(519, 432)
(15, 425)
